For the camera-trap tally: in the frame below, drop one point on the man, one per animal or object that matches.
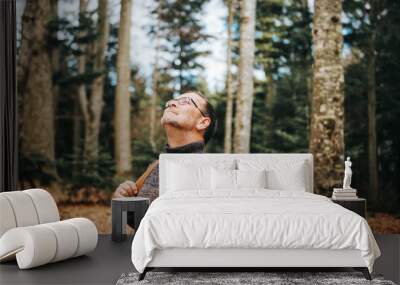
(189, 122)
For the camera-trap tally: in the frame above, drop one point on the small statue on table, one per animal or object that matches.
(347, 174)
(347, 192)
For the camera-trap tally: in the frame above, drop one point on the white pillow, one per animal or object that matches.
(227, 179)
(201, 160)
(223, 179)
(251, 178)
(289, 175)
(291, 181)
(184, 177)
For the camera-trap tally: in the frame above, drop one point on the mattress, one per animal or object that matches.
(252, 219)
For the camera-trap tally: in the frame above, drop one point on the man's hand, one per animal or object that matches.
(126, 189)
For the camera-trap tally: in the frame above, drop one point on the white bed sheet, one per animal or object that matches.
(250, 218)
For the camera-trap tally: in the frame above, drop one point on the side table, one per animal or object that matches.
(119, 209)
(357, 205)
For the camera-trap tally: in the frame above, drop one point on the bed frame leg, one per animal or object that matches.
(143, 274)
(364, 271)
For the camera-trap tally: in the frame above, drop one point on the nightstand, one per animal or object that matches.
(120, 208)
(357, 205)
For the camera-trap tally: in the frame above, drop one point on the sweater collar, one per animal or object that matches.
(194, 147)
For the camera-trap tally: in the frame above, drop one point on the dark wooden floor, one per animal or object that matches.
(103, 266)
(111, 259)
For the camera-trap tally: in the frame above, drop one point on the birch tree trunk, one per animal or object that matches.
(327, 118)
(35, 85)
(229, 89)
(372, 144)
(123, 153)
(244, 100)
(95, 106)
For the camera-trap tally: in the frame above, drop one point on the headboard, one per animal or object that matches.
(214, 157)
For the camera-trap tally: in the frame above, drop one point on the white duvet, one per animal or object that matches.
(252, 218)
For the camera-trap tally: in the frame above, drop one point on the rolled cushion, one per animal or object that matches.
(7, 218)
(23, 208)
(41, 244)
(26, 208)
(46, 207)
(87, 234)
(66, 239)
(33, 246)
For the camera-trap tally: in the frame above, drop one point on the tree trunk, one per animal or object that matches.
(35, 85)
(271, 92)
(153, 105)
(76, 139)
(123, 153)
(372, 144)
(229, 89)
(155, 78)
(82, 94)
(80, 101)
(244, 100)
(306, 14)
(269, 102)
(181, 87)
(95, 106)
(327, 118)
(55, 55)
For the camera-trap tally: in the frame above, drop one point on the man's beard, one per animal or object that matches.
(169, 121)
(173, 123)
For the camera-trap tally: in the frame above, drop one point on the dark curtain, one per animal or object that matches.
(8, 97)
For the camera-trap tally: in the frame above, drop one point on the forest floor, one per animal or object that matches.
(100, 214)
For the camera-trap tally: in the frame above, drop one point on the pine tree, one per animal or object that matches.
(373, 38)
(182, 29)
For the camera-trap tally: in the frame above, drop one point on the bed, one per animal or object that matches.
(247, 210)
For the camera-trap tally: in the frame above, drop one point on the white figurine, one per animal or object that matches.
(347, 174)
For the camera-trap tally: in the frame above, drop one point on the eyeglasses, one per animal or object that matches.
(184, 101)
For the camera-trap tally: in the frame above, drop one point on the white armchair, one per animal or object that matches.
(31, 230)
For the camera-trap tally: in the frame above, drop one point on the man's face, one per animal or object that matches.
(186, 116)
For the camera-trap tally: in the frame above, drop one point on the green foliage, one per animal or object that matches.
(283, 54)
(358, 27)
(143, 156)
(181, 27)
(36, 168)
(218, 100)
(98, 174)
(388, 105)
(356, 125)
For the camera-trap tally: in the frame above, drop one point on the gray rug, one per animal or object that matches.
(228, 278)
